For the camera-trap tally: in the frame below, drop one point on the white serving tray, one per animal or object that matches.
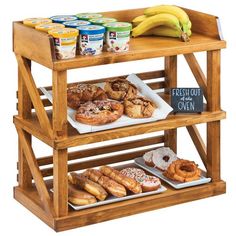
(163, 109)
(175, 184)
(111, 199)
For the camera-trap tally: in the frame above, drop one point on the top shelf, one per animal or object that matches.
(38, 46)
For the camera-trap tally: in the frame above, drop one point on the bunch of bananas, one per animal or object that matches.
(163, 20)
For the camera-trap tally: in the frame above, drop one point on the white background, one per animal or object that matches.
(213, 216)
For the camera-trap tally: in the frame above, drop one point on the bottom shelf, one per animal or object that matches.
(80, 218)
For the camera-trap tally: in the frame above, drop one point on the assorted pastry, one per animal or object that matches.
(94, 108)
(99, 112)
(97, 184)
(165, 160)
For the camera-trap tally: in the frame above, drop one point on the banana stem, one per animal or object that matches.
(184, 37)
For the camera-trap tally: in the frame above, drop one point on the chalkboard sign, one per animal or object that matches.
(187, 100)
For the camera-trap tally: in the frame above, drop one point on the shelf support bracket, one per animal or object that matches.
(197, 72)
(170, 82)
(35, 171)
(34, 95)
(198, 142)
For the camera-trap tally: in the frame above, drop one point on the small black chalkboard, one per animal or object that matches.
(187, 100)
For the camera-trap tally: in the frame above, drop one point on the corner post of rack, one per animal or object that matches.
(24, 112)
(170, 82)
(60, 156)
(213, 104)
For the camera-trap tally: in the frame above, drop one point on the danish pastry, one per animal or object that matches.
(183, 171)
(120, 89)
(99, 112)
(81, 93)
(139, 107)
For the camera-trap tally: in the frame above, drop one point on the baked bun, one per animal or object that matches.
(99, 112)
(120, 89)
(139, 107)
(81, 93)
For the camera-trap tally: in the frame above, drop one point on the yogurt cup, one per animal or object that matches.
(32, 22)
(65, 42)
(76, 23)
(49, 26)
(88, 16)
(101, 21)
(91, 39)
(63, 18)
(118, 36)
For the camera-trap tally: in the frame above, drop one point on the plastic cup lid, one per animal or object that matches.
(63, 18)
(91, 29)
(76, 23)
(47, 27)
(102, 20)
(36, 21)
(118, 26)
(88, 16)
(64, 33)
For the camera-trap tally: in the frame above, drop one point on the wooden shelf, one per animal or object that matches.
(75, 139)
(30, 200)
(51, 126)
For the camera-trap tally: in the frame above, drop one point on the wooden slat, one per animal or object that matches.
(37, 176)
(116, 158)
(198, 142)
(34, 96)
(171, 82)
(33, 44)
(60, 157)
(105, 149)
(24, 177)
(197, 72)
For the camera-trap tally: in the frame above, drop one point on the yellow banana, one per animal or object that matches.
(166, 31)
(170, 9)
(137, 20)
(155, 21)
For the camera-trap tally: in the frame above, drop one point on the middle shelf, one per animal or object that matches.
(73, 138)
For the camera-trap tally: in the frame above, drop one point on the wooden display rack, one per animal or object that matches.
(52, 127)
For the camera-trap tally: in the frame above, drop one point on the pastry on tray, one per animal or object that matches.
(81, 93)
(139, 107)
(126, 181)
(110, 185)
(79, 197)
(148, 182)
(91, 187)
(183, 171)
(120, 89)
(160, 158)
(99, 112)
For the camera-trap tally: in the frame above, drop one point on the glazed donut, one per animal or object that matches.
(81, 93)
(139, 107)
(160, 158)
(148, 182)
(183, 171)
(99, 112)
(120, 89)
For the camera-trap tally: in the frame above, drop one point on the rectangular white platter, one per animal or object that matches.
(161, 112)
(177, 185)
(111, 199)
